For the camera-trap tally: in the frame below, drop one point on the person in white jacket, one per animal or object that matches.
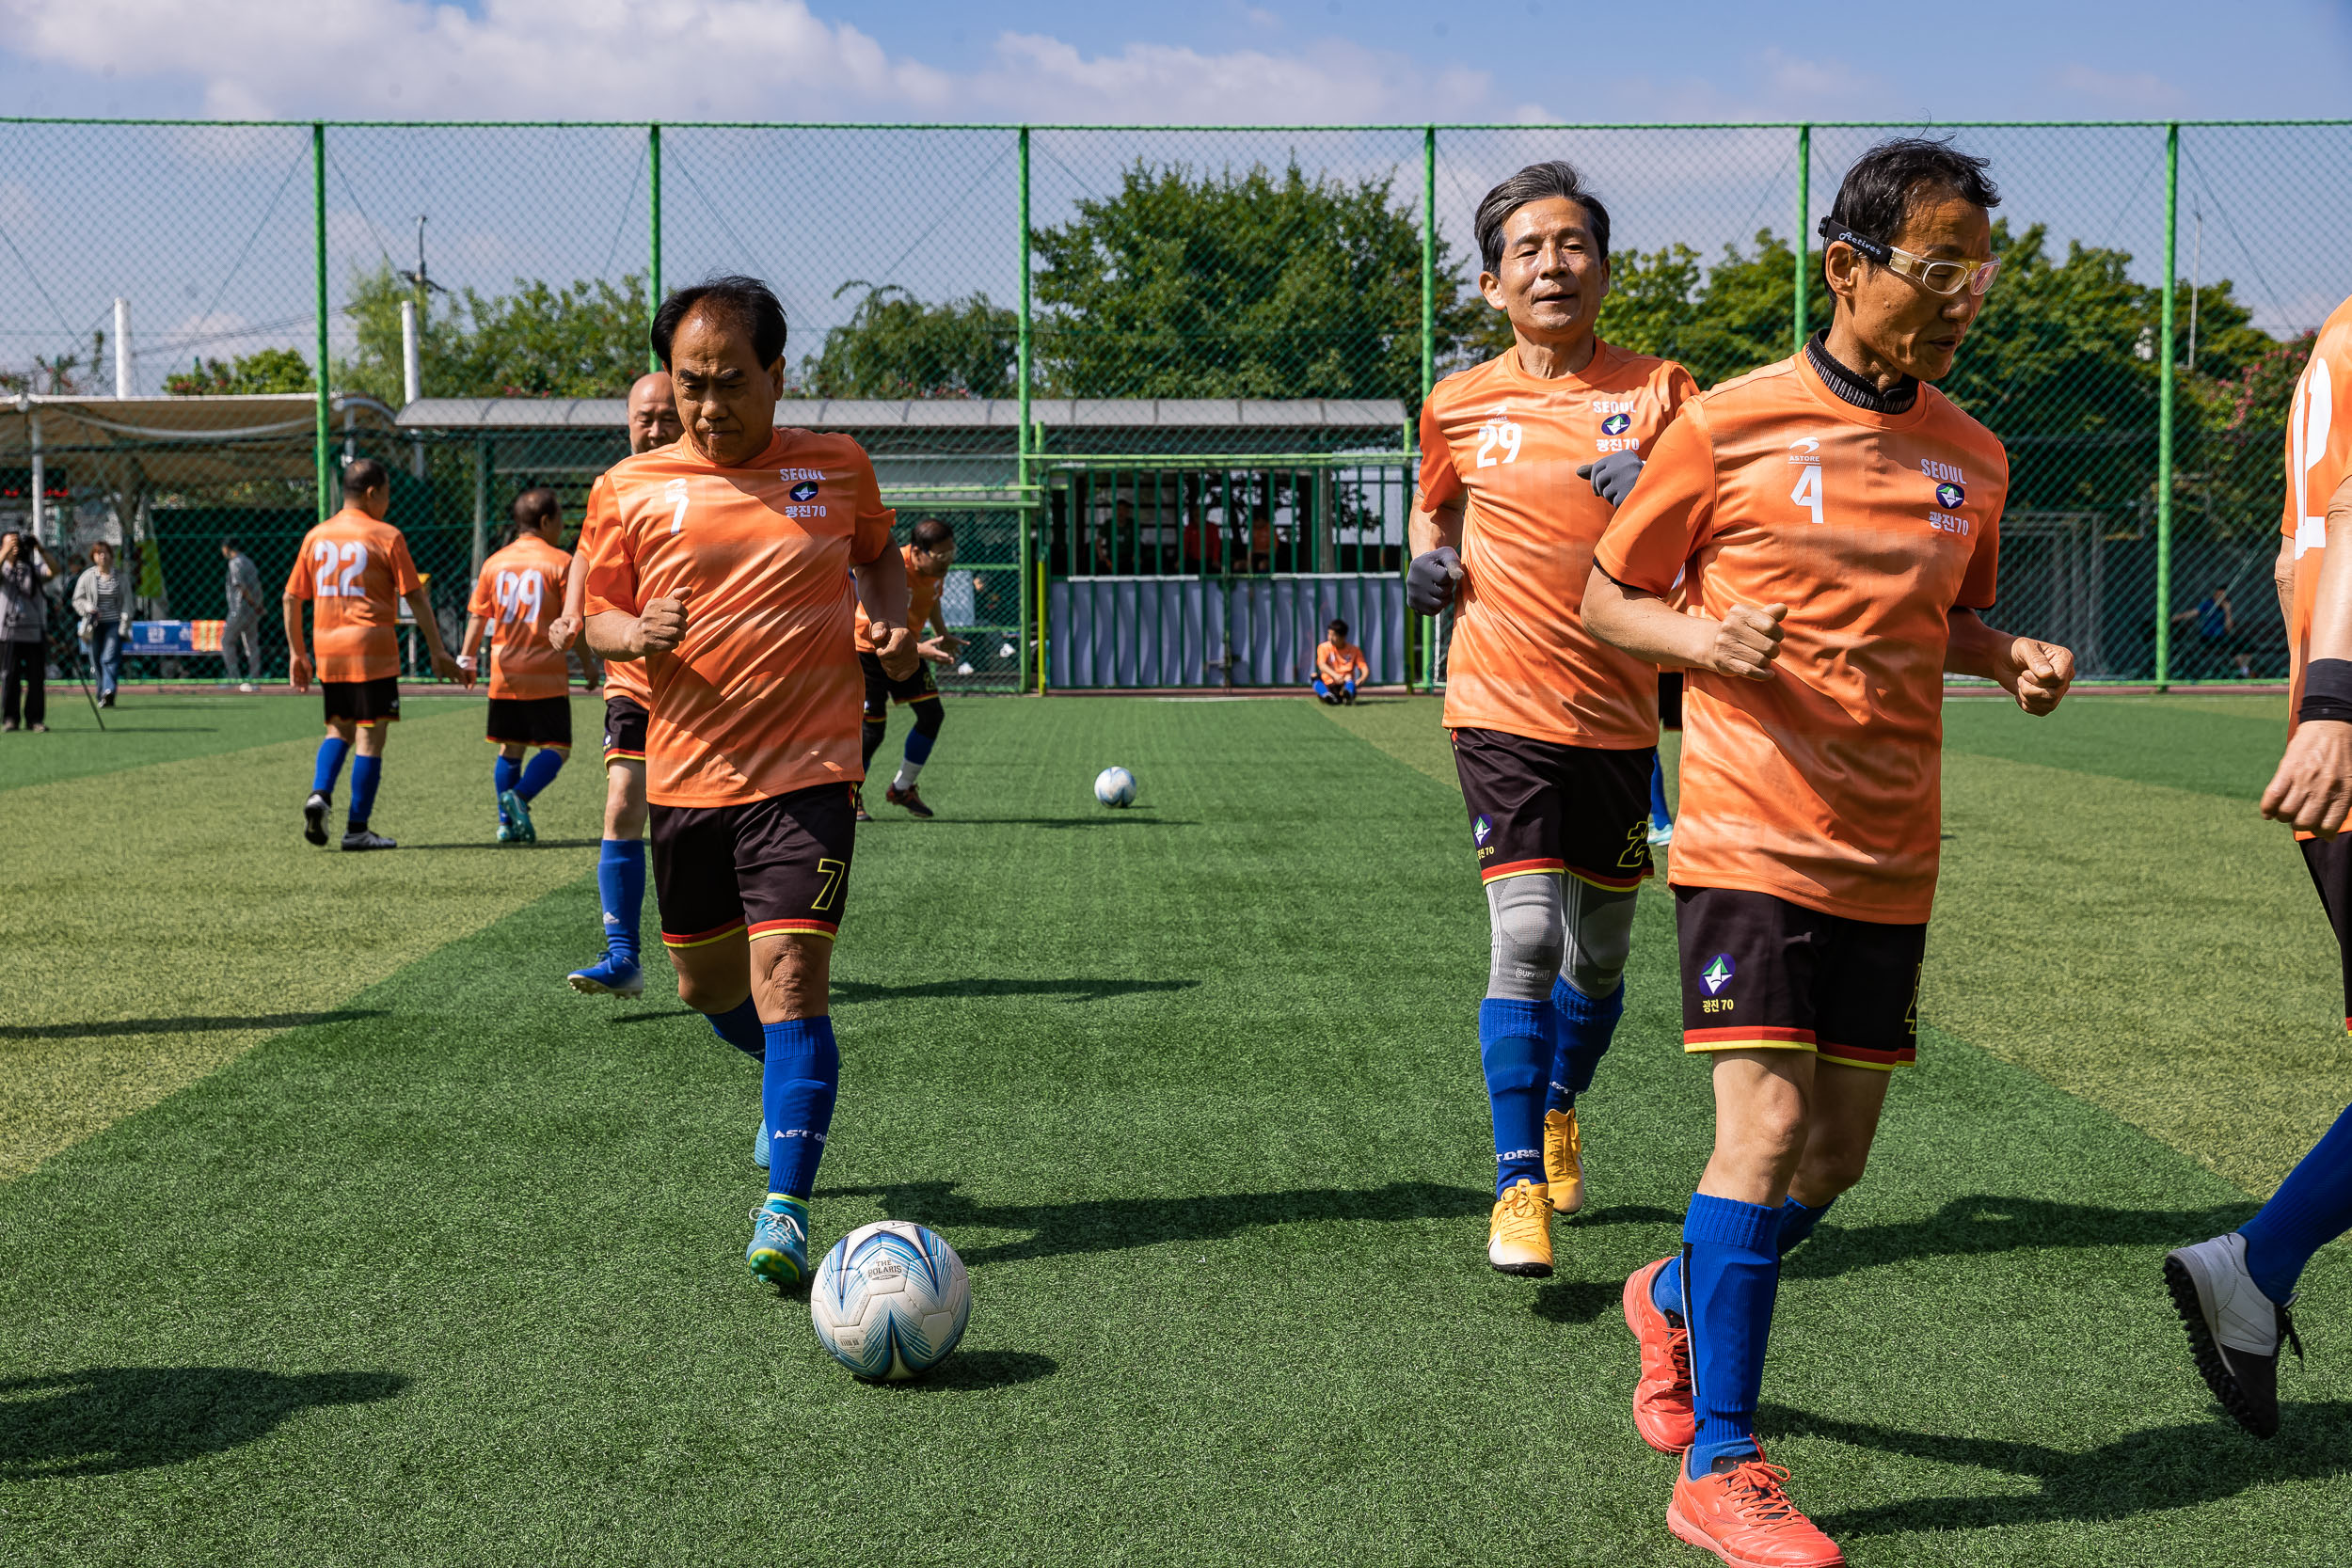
(102, 599)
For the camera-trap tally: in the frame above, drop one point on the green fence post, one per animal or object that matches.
(653, 222)
(323, 439)
(1805, 226)
(2163, 410)
(1428, 358)
(1021, 450)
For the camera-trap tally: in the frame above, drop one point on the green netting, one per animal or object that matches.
(1104, 351)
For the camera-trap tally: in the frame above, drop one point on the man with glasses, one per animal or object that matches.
(1835, 524)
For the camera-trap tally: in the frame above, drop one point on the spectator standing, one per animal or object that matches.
(241, 633)
(2217, 637)
(102, 599)
(25, 567)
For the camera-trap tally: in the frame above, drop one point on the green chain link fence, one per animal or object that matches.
(1148, 353)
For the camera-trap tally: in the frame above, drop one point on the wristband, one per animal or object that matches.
(2327, 691)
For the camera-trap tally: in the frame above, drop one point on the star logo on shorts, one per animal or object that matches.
(1718, 972)
(1481, 831)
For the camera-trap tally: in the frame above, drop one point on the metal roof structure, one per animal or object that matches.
(171, 443)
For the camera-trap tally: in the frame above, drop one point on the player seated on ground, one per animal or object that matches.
(621, 857)
(515, 599)
(354, 569)
(1838, 520)
(927, 558)
(1553, 730)
(1338, 666)
(2232, 1291)
(732, 563)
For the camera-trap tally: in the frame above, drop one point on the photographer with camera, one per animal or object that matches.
(25, 568)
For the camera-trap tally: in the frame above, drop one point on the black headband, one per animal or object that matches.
(1833, 231)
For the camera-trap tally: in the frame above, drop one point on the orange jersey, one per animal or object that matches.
(922, 601)
(622, 677)
(355, 570)
(1521, 660)
(763, 695)
(2319, 459)
(1822, 784)
(519, 591)
(1340, 663)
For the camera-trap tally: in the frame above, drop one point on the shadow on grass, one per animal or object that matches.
(1073, 989)
(978, 1369)
(648, 1018)
(1576, 1301)
(180, 1026)
(2147, 1472)
(1118, 1223)
(1981, 1222)
(1106, 818)
(514, 849)
(103, 1420)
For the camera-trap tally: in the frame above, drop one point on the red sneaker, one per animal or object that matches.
(906, 797)
(1742, 1514)
(1661, 1400)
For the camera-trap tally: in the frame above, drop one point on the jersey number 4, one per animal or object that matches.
(345, 584)
(1808, 490)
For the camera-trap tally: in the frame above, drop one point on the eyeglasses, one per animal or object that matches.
(1937, 277)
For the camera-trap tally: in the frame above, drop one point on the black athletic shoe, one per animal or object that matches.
(2234, 1331)
(857, 798)
(360, 838)
(909, 799)
(314, 812)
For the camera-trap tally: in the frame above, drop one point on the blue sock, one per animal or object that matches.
(2311, 1208)
(796, 1093)
(539, 772)
(366, 773)
(1514, 1047)
(740, 1027)
(1658, 815)
(505, 773)
(621, 888)
(1731, 1257)
(1796, 1220)
(330, 766)
(1584, 1029)
(918, 747)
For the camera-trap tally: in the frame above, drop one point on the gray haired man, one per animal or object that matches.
(241, 633)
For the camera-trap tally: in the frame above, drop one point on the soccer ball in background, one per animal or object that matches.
(890, 1300)
(1115, 786)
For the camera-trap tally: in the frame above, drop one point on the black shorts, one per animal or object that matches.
(531, 721)
(1762, 974)
(2330, 863)
(1537, 806)
(881, 691)
(779, 865)
(1670, 699)
(375, 702)
(624, 728)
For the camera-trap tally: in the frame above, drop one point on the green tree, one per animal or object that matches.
(1240, 285)
(270, 369)
(586, 338)
(896, 346)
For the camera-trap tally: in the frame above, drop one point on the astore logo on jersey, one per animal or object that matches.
(1617, 424)
(805, 491)
(1950, 495)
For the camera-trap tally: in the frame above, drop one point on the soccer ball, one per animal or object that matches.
(1115, 786)
(890, 1300)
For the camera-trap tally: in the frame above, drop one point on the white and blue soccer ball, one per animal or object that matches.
(891, 1300)
(1115, 786)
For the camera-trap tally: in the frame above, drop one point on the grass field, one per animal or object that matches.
(334, 1230)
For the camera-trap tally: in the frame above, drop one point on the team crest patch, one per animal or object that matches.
(805, 491)
(1617, 424)
(1481, 831)
(1718, 974)
(1949, 496)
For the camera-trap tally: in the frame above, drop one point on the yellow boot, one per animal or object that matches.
(1519, 1235)
(1563, 1160)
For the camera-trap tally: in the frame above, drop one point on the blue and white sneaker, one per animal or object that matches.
(1660, 835)
(611, 975)
(761, 1155)
(778, 1255)
(515, 819)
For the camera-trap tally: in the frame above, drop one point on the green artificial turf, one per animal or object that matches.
(148, 728)
(453, 1274)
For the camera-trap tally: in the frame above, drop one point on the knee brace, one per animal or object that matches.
(1599, 933)
(1529, 933)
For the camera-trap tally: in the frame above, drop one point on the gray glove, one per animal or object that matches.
(1432, 580)
(1612, 476)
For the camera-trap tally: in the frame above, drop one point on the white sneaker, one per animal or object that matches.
(1660, 835)
(244, 685)
(2233, 1329)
